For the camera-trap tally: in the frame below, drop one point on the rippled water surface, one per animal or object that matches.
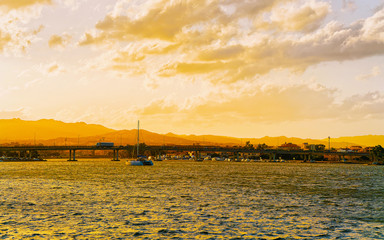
(100, 199)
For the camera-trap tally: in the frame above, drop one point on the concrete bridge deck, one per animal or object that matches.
(190, 148)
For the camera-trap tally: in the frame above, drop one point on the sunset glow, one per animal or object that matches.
(303, 68)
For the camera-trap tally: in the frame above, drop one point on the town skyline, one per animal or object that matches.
(307, 69)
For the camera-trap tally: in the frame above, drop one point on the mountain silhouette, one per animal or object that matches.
(53, 132)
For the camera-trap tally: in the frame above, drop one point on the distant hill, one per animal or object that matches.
(52, 132)
(270, 141)
(367, 140)
(16, 129)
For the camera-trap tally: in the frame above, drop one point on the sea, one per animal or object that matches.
(102, 199)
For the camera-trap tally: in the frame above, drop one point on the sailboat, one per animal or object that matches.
(141, 160)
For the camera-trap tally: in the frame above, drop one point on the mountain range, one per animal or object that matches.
(53, 132)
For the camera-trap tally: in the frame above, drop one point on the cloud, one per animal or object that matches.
(8, 90)
(165, 19)
(56, 41)
(16, 4)
(297, 16)
(73, 4)
(269, 104)
(9, 114)
(15, 39)
(5, 39)
(15, 35)
(364, 106)
(225, 41)
(333, 42)
(39, 73)
(106, 116)
(50, 69)
(375, 71)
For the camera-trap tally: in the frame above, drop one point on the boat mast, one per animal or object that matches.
(138, 136)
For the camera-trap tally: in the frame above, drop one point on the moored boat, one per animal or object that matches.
(141, 160)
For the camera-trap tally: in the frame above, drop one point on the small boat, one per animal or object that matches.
(141, 160)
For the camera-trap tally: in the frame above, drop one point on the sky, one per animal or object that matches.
(241, 68)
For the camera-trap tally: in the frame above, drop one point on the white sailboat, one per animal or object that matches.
(141, 160)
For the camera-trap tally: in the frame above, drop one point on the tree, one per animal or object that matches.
(378, 153)
(262, 146)
(248, 145)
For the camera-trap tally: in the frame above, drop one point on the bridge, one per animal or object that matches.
(72, 149)
(197, 149)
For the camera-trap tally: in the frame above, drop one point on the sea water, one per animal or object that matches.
(100, 199)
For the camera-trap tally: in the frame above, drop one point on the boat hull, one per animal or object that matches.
(136, 163)
(141, 163)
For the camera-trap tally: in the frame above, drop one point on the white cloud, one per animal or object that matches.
(59, 42)
(300, 16)
(269, 104)
(73, 4)
(40, 73)
(115, 118)
(15, 36)
(375, 71)
(9, 114)
(18, 4)
(209, 40)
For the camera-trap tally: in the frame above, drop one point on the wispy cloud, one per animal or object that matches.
(16, 4)
(375, 71)
(271, 104)
(57, 41)
(9, 114)
(15, 37)
(39, 73)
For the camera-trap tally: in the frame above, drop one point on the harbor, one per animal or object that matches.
(102, 199)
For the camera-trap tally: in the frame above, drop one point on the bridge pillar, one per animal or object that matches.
(115, 155)
(72, 157)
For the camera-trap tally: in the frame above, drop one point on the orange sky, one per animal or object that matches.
(303, 68)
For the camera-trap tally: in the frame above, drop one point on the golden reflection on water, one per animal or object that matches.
(99, 199)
